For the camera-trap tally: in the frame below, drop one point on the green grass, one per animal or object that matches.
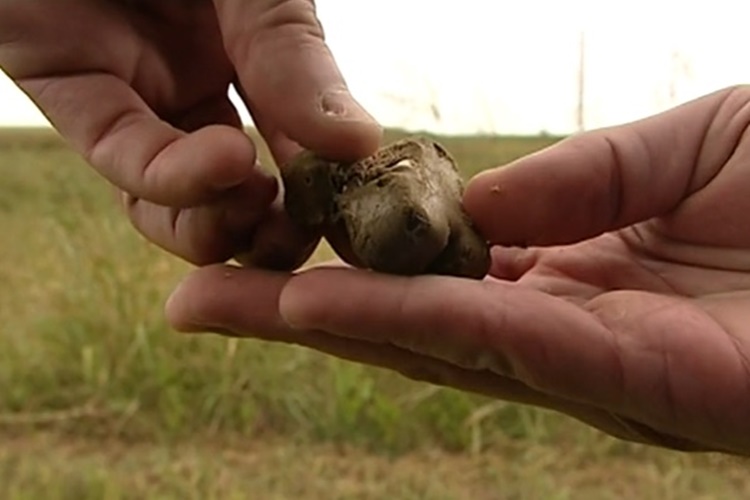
(100, 399)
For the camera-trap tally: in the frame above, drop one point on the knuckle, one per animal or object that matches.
(289, 16)
(735, 103)
(741, 90)
(730, 120)
(14, 23)
(281, 22)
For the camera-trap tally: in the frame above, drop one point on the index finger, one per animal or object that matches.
(106, 120)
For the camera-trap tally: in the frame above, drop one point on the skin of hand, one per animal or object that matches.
(619, 293)
(139, 89)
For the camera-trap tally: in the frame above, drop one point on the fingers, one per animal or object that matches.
(546, 342)
(245, 303)
(209, 233)
(198, 195)
(650, 358)
(606, 179)
(249, 302)
(106, 120)
(217, 109)
(225, 298)
(511, 263)
(290, 80)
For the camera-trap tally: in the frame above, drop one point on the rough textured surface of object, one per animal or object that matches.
(399, 209)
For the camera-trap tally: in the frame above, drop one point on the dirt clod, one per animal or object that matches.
(399, 209)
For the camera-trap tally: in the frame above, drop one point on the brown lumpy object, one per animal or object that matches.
(401, 208)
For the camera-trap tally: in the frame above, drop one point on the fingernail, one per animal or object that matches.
(289, 305)
(177, 313)
(338, 103)
(179, 310)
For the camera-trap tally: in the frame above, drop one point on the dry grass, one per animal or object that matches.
(49, 466)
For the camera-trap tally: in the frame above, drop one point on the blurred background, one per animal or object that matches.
(100, 399)
(519, 67)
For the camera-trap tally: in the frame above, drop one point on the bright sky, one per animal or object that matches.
(511, 66)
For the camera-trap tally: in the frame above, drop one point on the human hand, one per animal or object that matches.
(139, 88)
(629, 308)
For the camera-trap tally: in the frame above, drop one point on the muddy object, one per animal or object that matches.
(399, 209)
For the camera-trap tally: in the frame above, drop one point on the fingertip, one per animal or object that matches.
(512, 263)
(349, 142)
(195, 167)
(483, 199)
(234, 155)
(559, 195)
(478, 186)
(335, 126)
(181, 306)
(346, 131)
(228, 299)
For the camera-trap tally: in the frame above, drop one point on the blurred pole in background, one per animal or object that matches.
(581, 108)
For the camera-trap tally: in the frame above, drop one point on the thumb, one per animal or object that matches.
(290, 81)
(610, 178)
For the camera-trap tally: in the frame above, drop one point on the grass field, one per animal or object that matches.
(99, 399)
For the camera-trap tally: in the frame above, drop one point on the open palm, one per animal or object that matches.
(619, 292)
(671, 338)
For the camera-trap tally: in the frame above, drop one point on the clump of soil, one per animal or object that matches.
(398, 211)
